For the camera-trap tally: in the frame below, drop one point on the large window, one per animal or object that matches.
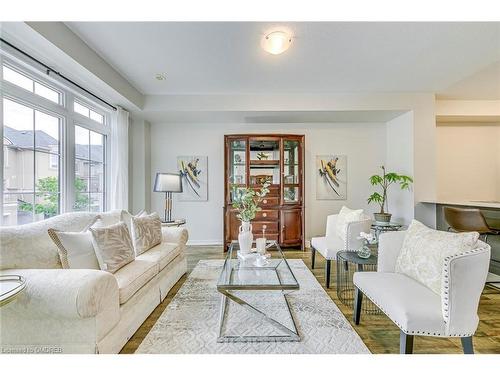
(89, 170)
(54, 148)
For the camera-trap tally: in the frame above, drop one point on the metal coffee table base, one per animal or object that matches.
(288, 334)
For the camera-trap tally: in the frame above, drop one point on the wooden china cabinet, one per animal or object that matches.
(251, 159)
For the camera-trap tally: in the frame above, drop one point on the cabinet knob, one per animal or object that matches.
(264, 226)
(264, 214)
(264, 201)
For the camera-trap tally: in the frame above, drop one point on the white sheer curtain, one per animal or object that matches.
(118, 189)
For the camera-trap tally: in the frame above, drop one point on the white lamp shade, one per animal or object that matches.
(276, 42)
(168, 182)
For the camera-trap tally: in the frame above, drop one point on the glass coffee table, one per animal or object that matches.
(260, 290)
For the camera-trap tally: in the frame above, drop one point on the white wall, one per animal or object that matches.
(399, 159)
(468, 161)
(139, 166)
(363, 143)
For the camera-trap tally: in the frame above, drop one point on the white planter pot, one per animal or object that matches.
(245, 237)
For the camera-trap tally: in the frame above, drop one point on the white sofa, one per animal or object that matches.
(415, 308)
(330, 244)
(76, 310)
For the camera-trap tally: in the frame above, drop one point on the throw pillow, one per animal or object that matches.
(113, 246)
(126, 217)
(146, 232)
(346, 216)
(424, 250)
(75, 249)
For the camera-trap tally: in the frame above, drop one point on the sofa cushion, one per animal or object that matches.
(146, 232)
(411, 305)
(424, 251)
(75, 248)
(29, 246)
(328, 246)
(113, 246)
(126, 217)
(134, 276)
(162, 254)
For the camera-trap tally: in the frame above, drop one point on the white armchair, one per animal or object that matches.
(415, 308)
(329, 245)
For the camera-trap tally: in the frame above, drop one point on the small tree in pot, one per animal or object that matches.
(384, 181)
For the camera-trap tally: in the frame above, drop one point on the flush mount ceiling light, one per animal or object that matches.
(276, 42)
(161, 76)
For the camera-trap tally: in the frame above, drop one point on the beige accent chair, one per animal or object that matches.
(81, 310)
(330, 244)
(416, 309)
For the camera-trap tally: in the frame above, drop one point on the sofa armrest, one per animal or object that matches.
(463, 281)
(389, 247)
(175, 235)
(64, 293)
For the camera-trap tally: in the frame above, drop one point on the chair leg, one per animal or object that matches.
(405, 343)
(467, 345)
(313, 257)
(358, 300)
(328, 267)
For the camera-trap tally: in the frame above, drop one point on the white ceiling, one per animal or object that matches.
(217, 57)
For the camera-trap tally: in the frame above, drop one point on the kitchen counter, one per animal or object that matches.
(476, 203)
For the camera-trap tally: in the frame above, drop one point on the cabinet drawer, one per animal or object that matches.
(266, 215)
(270, 202)
(257, 227)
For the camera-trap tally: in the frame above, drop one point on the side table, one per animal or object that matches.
(385, 227)
(349, 262)
(175, 223)
(11, 287)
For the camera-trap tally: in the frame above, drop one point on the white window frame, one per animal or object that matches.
(69, 119)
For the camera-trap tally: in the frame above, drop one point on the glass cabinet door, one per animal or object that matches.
(237, 162)
(237, 167)
(291, 172)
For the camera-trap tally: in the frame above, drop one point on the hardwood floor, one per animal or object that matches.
(377, 331)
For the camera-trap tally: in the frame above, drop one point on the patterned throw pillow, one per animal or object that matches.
(75, 249)
(113, 246)
(346, 216)
(146, 232)
(126, 217)
(424, 250)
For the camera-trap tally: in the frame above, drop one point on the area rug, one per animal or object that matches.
(190, 322)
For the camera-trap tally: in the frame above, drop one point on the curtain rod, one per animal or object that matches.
(49, 69)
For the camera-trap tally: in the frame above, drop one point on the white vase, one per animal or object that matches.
(245, 237)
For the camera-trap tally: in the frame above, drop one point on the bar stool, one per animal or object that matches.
(468, 220)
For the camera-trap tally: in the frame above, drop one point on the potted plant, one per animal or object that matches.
(246, 202)
(384, 181)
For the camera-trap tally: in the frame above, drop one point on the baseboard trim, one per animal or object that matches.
(204, 243)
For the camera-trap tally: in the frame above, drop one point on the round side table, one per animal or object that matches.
(175, 223)
(385, 227)
(10, 288)
(349, 262)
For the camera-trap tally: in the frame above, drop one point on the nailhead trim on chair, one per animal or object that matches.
(446, 284)
(421, 333)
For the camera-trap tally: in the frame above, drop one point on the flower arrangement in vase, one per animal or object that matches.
(246, 201)
(364, 251)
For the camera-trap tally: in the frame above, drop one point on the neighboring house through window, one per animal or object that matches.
(42, 120)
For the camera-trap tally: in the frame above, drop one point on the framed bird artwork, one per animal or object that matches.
(194, 174)
(331, 177)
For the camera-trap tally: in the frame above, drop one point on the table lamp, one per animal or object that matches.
(168, 183)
